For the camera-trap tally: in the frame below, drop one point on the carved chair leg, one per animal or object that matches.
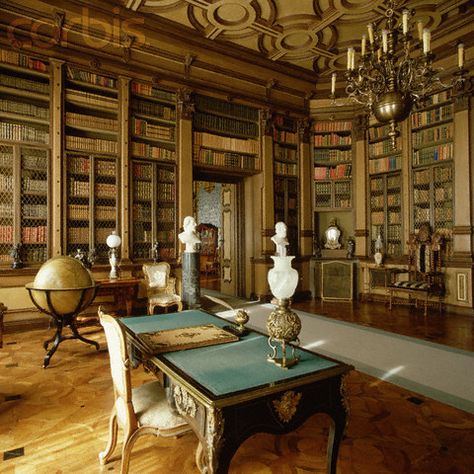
(105, 455)
(180, 306)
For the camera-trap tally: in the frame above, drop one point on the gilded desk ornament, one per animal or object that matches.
(345, 399)
(214, 432)
(287, 405)
(185, 403)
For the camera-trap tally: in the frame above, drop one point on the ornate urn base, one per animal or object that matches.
(283, 325)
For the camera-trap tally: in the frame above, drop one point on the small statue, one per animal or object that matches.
(15, 254)
(82, 257)
(350, 248)
(378, 255)
(280, 240)
(190, 237)
(91, 257)
(155, 252)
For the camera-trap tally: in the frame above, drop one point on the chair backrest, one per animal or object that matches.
(425, 251)
(157, 274)
(120, 369)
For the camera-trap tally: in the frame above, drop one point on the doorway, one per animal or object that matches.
(216, 207)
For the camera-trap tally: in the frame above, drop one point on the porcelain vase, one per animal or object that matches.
(282, 278)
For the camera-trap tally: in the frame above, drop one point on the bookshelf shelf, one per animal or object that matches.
(332, 160)
(432, 164)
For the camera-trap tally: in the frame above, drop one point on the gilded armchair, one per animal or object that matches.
(161, 287)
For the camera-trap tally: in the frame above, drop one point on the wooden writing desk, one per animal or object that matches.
(124, 291)
(228, 392)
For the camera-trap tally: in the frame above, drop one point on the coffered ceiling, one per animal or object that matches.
(313, 35)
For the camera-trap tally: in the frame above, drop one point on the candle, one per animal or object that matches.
(362, 45)
(370, 29)
(385, 41)
(405, 14)
(420, 29)
(348, 59)
(461, 55)
(426, 40)
(333, 83)
(352, 59)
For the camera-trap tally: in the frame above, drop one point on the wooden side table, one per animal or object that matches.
(124, 291)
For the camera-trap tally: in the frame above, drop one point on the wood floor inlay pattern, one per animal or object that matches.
(62, 416)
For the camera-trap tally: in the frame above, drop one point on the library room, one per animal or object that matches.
(243, 227)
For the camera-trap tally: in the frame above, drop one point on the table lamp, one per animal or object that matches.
(113, 241)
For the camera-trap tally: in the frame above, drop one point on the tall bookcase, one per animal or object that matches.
(225, 136)
(432, 164)
(24, 156)
(385, 190)
(91, 154)
(285, 176)
(153, 177)
(332, 156)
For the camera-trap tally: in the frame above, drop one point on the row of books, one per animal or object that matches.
(35, 159)
(91, 121)
(90, 99)
(78, 235)
(166, 175)
(140, 234)
(145, 150)
(6, 156)
(428, 135)
(98, 145)
(436, 153)
(378, 132)
(283, 153)
(142, 171)
(209, 104)
(22, 60)
(443, 213)
(24, 84)
(333, 155)
(78, 212)
(6, 182)
(142, 212)
(225, 159)
(438, 98)
(33, 235)
(322, 188)
(144, 128)
(34, 211)
(332, 126)
(79, 164)
(79, 188)
(286, 168)
(442, 175)
(343, 202)
(23, 108)
(377, 218)
(105, 213)
(6, 210)
(142, 191)
(225, 125)
(279, 185)
(166, 214)
(332, 172)
(226, 143)
(90, 77)
(421, 195)
(342, 187)
(284, 136)
(105, 190)
(387, 163)
(6, 234)
(34, 185)
(101, 233)
(394, 199)
(21, 132)
(332, 139)
(394, 232)
(141, 88)
(427, 117)
(165, 235)
(105, 168)
(165, 191)
(383, 147)
(35, 253)
(444, 193)
(394, 217)
(154, 109)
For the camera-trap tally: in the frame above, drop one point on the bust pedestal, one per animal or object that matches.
(191, 292)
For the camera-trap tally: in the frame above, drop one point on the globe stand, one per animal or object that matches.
(85, 297)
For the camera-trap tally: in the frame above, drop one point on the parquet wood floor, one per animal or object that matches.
(58, 416)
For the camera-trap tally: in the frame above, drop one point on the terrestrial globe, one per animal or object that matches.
(62, 286)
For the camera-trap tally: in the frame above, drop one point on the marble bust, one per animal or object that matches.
(280, 239)
(190, 236)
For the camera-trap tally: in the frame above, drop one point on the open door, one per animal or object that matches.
(230, 255)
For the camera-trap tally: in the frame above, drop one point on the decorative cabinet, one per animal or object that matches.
(285, 172)
(337, 280)
(153, 172)
(432, 164)
(153, 209)
(226, 137)
(332, 155)
(91, 142)
(24, 157)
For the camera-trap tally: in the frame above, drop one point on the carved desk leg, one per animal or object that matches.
(339, 418)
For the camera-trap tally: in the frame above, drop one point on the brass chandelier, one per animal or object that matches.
(395, 69)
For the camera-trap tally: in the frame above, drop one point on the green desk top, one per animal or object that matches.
(226, 368)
